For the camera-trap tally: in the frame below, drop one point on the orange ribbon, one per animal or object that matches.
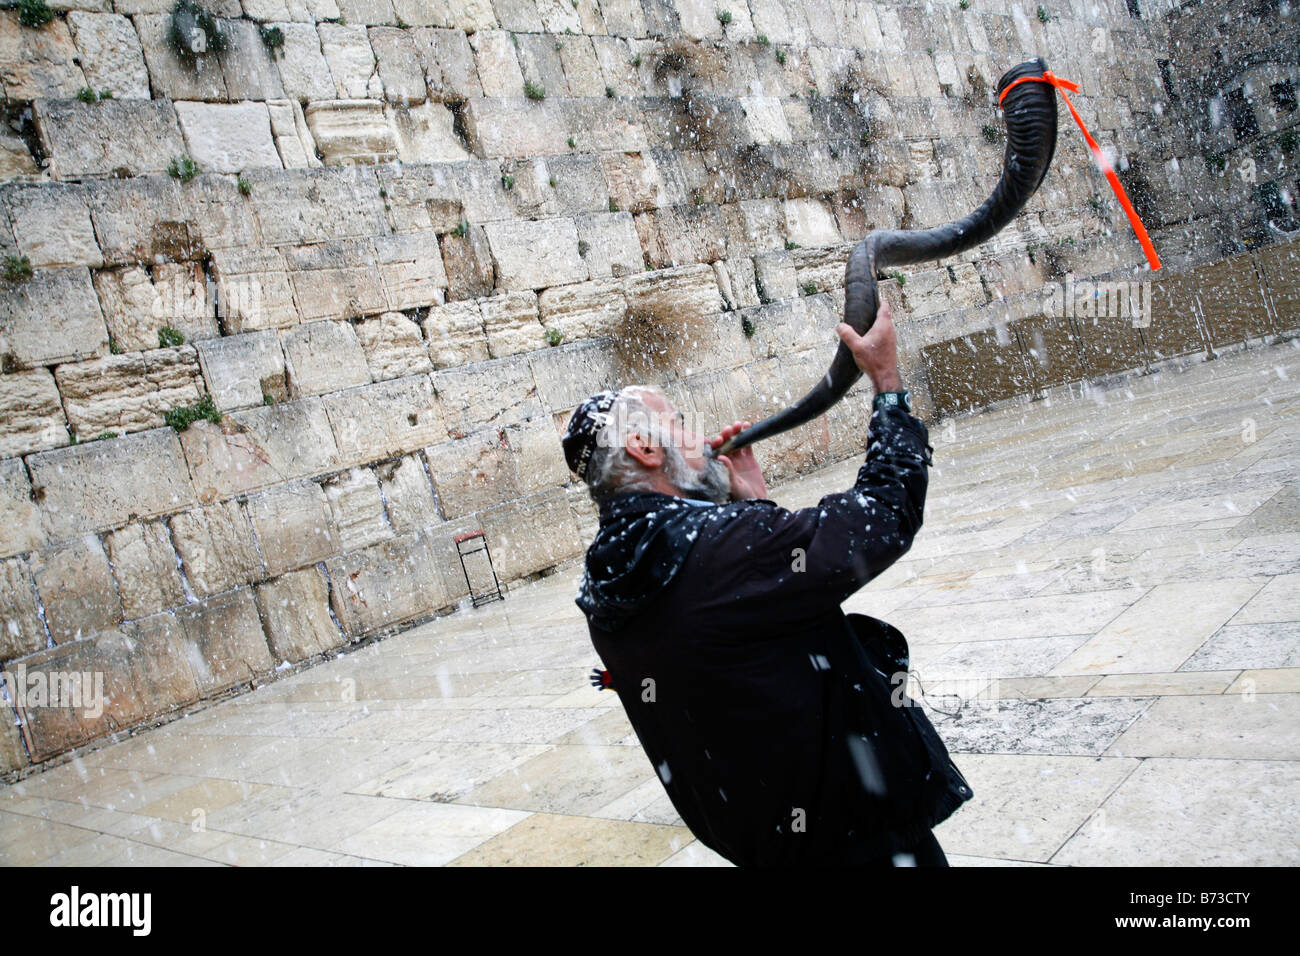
(1133, 218)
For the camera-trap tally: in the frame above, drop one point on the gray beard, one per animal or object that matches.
(712, 484)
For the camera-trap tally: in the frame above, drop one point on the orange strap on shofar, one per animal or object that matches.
(1133, 218)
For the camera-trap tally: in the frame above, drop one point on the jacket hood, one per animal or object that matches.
(643, 541)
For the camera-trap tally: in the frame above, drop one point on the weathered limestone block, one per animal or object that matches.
(129, 392)
(516, 127)
(351, 132)
(579, 184)
(690, 290)
(519, 16)
(304, 72)
(351, 60)
(426, 134)
(52, 317)
(775, 275)
(99, 485)
(385, 419)
(608, 242)
(481, 190)
(144, 564)
(358, 508)
(76, 589)
(498, 65)
(624, 18)
(472, 473)
(421, 13)
(369, 12)
(37, 63)
(584, 310)
(229, 639)
(170, 76)
(246, 64)
(385, 584)
(399, 65)
(606, 123)
(21, 631)
(449, 67)
(468, 261)
(16, 160)
(408, 494)
(228, 137)
(145, 219)
(736, 281)
(137, 307)
(511, 324)
(455, 334)
(253, 290)
(753, 226)
(20, 519)
(292, 138)
(558, 17)
(926, 292)
(322, 357)
(216, 547)
(259, 447)
(533, 255)
(97, 139)
(539, 61)
(635, 183)
(532, 533)
(810, 223)
(336, 280)
(496, 394)
(393, 346)
(539, 457)
(782, 327)
(678, 235)
(823, 267)
(51, 224)
(411, 270)
(582, 71)
(569, 374)
(243, 370)
(294, 526)
(31, 412)
(295, 614)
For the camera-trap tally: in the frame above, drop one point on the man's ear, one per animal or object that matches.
(647, 453)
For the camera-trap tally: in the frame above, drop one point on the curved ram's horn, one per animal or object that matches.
(1030, 111)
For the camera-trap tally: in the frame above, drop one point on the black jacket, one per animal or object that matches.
(778, 725)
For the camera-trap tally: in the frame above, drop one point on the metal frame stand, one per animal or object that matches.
(485, 597)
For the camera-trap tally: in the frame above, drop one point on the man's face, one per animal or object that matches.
(686, 465)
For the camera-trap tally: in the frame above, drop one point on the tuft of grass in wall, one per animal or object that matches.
(609, 91)
(1095, 203)
(87, 95)
(1287, 142)
(747, 326)
(964, 4)
(17, 269)
(460, 230)
(1216, 162)
(1043, 15)
(780, 56)
(534, 91)
(573, 143)
(244, 186)
(104, 436)
(559, 45)
(990, 132)
(791, 244)
(34, 13)
(105, 94)
(183, 168)
(402, 24)
(809, 288)
(185, 416)
(613, 206)
(215, 39)
(583, 247)
(902, 279)
(554, 336)
(763, 40)
(508, 181)
(113, 347)
(636, 61)
(554, 182)
(724, 17)
(1029, 251)
(267, 399)
(272, 38)
(169, 337)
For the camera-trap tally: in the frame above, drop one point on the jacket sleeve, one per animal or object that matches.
(830, 550)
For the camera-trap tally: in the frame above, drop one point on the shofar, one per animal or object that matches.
(1030, 111)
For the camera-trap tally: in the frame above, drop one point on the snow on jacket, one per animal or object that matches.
(777, 724)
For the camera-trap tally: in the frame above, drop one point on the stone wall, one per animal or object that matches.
(379, 249)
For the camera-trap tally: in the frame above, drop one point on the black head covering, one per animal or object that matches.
(580, 437)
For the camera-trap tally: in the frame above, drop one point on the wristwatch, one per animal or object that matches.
(901, 398)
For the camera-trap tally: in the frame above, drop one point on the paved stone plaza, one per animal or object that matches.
(1104, 614)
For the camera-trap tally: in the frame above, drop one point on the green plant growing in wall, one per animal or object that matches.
(609, 91)
(185, 416)
(534, 91)
(573, 143)
(809, 288)
(763, 40)
(1043, 15)
(636, 61)
(508, 181)
(583, 247)
(244, 186)
(780, 56)
(267, 399)
(460, 230)
(1287, 141)
(105, 94)
(17, 269)
(791, 244)
(1216, 161)
(402, 24)
(559, 45)
(554, 336)
(169, 337)
(613, 206)
(183, 168)
(195, 31)
(964, 4)
(554, 182)
(104, 436)
(902, 279)
(273, 38)
(34, 13)
(1095, 203)
(747, 326)
(113, 347)
(87, 95)
(724, 17)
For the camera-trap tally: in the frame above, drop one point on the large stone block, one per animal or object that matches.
(99, 485)
(52, 317)
(539, 457)
(455, 334)
(228, 637)
(516, 127)
(532, 533)
(294, 526)
(398, 62)
(336, 280)
(678, 235)
(76, 589)
(410, 269)
(496, 393)
(426, 134)
(323, 357)
(51, 224)
(534, 255)
(386, 584)
(293, 139)
(352, 132)
(468, 260)
(511, 324)
(146, 219)
(358, 508)
(386, 419)
(352, 62)
(137, 307)
(145, 566)
(609, 244)
(246, 64)
(295, 614)
(810, 223)
(583, 310)
(129, 392)
(474, 473)
(394, 347)
(21, 630)
(216, 547)
(408, 494)
(20, 519)
(37, 63)
(498, 65)
(254, 290)
(304, 72)
(228, 137)
(774, 273)
(259, 447)
(169, 75)
(569, 374)
(317, 205)
(32, 413)
(449, 67)
(753, 226)
(689, 290)
(243, 370)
